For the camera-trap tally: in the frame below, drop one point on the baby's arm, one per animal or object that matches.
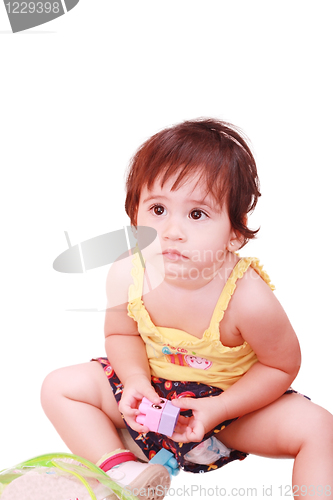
(124, 347)
(263, 323)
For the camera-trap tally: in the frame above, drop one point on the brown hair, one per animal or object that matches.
(214, 149)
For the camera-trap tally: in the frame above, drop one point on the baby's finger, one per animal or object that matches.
(182, 420)
(181, 429)
(195, 433)
(180, 437)
(127, 412)
(125, 408)
(150, 394)
(141, 429)
(131, 421)
(185, 403)
(181, 424)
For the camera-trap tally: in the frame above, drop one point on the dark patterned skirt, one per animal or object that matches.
(152, 442)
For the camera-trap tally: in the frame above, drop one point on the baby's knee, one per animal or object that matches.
(52, 387)
(319, 427)
(324, 424)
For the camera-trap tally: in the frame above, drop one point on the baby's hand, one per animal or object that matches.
(135, 388)
(207, 413)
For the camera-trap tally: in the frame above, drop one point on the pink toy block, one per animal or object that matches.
(160, 418)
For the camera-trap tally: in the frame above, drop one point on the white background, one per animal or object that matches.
(78, 96)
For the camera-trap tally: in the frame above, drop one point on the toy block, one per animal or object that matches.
(169, 419)
(161, 418)
(167, 459)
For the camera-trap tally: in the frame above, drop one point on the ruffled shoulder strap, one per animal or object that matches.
(255, 264)
(229, 288)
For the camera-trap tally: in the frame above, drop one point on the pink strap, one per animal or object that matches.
(117, 459)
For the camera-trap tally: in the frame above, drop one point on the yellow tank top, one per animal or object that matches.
(179, 356)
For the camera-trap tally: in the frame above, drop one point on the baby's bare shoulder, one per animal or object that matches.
(253, 293)
(118, 280)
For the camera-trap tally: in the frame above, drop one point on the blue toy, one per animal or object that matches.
(166, 458)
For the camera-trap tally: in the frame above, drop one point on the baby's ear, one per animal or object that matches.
(236, 239)
(235, 243)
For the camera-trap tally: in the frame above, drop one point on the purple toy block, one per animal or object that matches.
(169, 419)
(160, 418)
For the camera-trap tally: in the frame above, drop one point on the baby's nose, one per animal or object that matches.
(174, 230)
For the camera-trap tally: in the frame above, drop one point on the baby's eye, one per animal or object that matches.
(158, 209)
(198, 214)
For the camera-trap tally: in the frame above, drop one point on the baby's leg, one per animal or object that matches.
(291, 427)
(79, 402)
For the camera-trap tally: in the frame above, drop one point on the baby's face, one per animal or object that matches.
(194, 233)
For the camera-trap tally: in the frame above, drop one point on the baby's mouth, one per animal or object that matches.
(173, 254)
